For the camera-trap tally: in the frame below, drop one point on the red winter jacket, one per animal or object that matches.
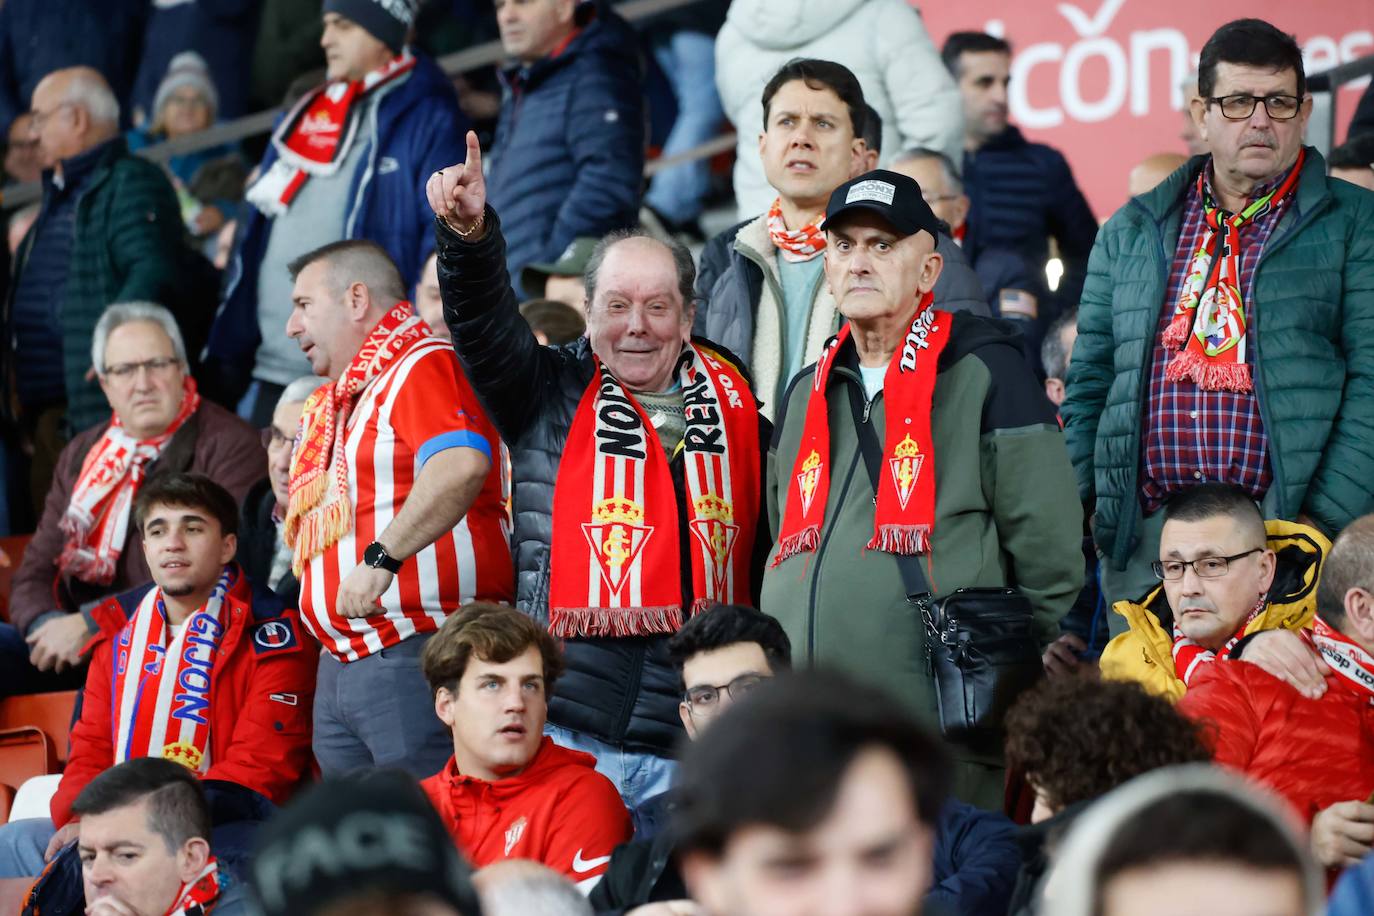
(1312, 752)
(261, 696)
(559, 811)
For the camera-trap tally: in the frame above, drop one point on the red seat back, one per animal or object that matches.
(50, 713)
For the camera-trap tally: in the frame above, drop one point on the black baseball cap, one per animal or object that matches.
(895, 197)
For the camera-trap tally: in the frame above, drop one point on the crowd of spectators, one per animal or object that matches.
(432, 519)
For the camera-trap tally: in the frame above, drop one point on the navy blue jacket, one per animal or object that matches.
(1021, 194)
(568, 159)
(221, 31)
(40, 36)
(420, 131)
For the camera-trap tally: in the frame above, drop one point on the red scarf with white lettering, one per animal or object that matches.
(200, 896)
(904, 514)
(96, 522)
(314, 139)
(1208, 327)
(318, 509)
(1190, 656)
(160, 681)
(795, 244)
(616, 567)
(1345, 656)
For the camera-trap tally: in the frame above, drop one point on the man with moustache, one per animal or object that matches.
(1224, 329)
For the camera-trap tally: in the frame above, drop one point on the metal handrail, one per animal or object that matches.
(15, 196)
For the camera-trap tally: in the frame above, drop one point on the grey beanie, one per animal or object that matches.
(187, 69)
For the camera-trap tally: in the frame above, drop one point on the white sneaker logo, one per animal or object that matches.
(581, 866)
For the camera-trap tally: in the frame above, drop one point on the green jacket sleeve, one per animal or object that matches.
(1342, 487)
(146, 233)
(1091, 370)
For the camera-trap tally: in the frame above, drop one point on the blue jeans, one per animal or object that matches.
(688, 59)
(637, 775)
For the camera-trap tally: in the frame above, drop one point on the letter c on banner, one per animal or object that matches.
(1017, 99)
(1070, 78)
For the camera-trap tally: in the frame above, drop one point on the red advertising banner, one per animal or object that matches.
(1100, 79)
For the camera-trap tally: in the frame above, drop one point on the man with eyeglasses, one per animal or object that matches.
(263, 552)
(1313, 749)
(1226, 576)
(1222, 329)
(79, 555)
(722, 655)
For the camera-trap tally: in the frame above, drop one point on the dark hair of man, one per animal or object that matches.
(726, 625)
(1077, 738)
(355, 261)
(560, 322)
(685, 267)
(817, 75)
(1350, 564)
(1054, 356)
(1355, 153)
(187, 491)
(493, 633)
(778, 758)
(961, 43)
(1208, 500)
(1250, 43)
(177, 810)
(873, 129)
(1200, 827)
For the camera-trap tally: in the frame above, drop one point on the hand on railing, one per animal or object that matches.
(458, 194)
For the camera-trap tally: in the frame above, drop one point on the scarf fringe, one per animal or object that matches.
(804, 541)
(320, 530)
(1176, 334)
(572, 622)
(1208, 374)
(907, 540)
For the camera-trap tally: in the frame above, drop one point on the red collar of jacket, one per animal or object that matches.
(549, 758)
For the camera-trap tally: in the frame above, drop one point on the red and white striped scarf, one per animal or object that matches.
(1208, 328)
(160, 705)
(616, 568)
(904, 508)
(96, 522)
(200, 896)
(318, 509)
(315, 137)
(1189, 656)
(1345, 656)
(795, 244)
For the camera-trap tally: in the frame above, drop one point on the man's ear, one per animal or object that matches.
(702, 875)
(358, 300)
(228, 548)
(1268, 566)
(858, 157)
(961, 208)
(443, 705)
(1197, 107)
(191, 859)
(1359, 612)
(684, 712)
(930, 271)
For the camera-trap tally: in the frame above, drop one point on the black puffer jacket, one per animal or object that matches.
(621, 691)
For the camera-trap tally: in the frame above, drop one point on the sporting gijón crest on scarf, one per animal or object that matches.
(904, 510)
(161, 680)
(616, 568)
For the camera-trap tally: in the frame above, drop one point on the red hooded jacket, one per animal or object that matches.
(261, 696)
(559, 811)
(1312, 752)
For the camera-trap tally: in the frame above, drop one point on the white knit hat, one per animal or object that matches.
(187, 69)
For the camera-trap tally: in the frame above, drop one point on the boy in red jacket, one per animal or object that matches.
(201, 669)
(509, 792)
(1316, 752)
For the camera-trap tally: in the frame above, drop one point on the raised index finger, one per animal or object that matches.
(474, 160)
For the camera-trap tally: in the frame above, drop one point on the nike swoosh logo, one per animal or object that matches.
(582, 866)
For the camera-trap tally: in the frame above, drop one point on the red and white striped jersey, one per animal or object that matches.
(421, 405)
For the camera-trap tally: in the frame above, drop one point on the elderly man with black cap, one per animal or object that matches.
(919, 454)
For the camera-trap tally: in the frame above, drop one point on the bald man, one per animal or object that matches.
(122, 244)
(1148, 174)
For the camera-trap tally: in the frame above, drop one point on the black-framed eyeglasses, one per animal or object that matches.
(706, 697)
(1280, 107)
(273, 437)
(1205, 567)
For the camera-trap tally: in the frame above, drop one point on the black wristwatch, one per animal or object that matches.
(376, 556)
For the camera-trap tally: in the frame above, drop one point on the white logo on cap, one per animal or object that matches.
(872, 189)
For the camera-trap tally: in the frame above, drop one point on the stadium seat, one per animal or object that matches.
(24, 753)
(51, 713)
(34, 798)
(13, 547)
